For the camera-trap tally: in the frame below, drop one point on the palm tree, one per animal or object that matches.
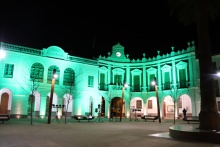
(200, 12)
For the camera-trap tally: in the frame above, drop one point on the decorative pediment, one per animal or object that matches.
(181, 65)
(136, 71)
(151, 69)
(103, 69)
(166, 68)
(118, 71)
(55, 52)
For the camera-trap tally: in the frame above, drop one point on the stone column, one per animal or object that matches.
(144, 79)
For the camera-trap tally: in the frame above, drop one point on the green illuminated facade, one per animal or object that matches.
(86, 83)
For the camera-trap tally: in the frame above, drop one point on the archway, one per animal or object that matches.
(136, 108)
(168, 107)
(184, 102)
(152, 106)
(103, 107)
(116, 107)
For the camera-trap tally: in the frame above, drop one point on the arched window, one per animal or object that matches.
(37, 72)
(50, 74)
(69, 77)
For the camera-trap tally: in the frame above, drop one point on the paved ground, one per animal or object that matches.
(20, 133)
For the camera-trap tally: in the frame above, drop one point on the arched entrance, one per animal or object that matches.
(151, 108)
(136, 108)
(103, 107)
(116, 107)
(184, 102)
(168, 107)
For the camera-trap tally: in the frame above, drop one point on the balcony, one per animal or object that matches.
(166, 86)
(136, 88)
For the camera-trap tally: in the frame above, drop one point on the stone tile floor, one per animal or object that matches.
(20, 133)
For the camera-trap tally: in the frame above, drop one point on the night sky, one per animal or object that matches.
(91, 29)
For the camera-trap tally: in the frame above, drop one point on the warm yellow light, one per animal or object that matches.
(125, 85)
(55, 76)
(153, 83)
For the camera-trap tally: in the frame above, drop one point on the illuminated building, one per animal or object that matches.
(90, 82)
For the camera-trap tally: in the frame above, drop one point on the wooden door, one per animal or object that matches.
(164, 109)
(4, 104)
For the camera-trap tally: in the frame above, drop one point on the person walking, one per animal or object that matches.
(184, 113)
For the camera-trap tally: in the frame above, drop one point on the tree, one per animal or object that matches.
(30, 83)
(108, 98)
(67, 100)
(130, 96)
(70, 88)
(173, 93)
(200, 12)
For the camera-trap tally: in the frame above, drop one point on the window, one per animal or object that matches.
(118, 79)
(150, 106)
(138, 104)
(166, 80)
(180, 103)
(50, 74)
(102, 81)
(136, 83)
(37, 72)
(90, 81)
(69, 77)
(152, 87)
(182, 74)
(9, 68)
(218, 105)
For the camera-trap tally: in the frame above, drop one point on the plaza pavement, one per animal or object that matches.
(20, 133)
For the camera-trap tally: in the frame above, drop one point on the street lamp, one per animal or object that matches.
(122, 98)
(218, 73)
(158, 106)
(51, 95)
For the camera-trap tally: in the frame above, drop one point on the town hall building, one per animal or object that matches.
(108, 85)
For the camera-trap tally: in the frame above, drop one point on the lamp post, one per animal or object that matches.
(157, 97)
(218, 73)
(122, 99)
(51, 95)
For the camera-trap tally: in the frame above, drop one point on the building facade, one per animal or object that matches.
(97, 86)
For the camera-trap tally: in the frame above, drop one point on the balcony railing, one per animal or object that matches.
(166, 86)
(183, 84)
(136, 88)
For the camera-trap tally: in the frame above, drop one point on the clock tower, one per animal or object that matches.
(118, 54)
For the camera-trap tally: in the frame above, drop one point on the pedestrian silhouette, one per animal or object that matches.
(184, 113)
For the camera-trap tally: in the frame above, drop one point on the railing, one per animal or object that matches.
(22, 49)
(103, 86)
(136, 88)
(166, 86)
(183, 84)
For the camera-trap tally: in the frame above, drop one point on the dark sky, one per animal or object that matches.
(91, 29)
